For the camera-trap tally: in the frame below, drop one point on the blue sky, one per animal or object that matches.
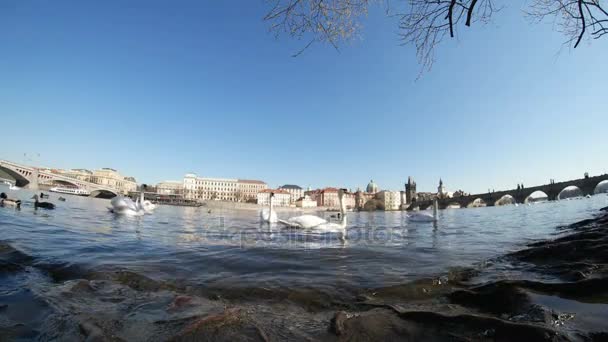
(156, 89)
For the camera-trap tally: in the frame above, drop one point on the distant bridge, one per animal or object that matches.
(587, 186)
(30, 177)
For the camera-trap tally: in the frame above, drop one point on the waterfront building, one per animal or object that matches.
(305, 202)
(222, 189)
(281, 197)
(295, 191)
(390, 199)
(328, 198)
(170, 188)
(79, 174)
(111, 178)
(361, 198)
(248, 189)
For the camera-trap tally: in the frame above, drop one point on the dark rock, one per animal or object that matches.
(231, 325)
(336, 325)
(496, 298)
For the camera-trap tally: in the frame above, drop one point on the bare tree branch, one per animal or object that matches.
(424, 23)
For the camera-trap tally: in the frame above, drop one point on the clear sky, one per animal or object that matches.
(156, 89)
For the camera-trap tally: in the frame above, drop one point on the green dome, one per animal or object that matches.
(372, 187)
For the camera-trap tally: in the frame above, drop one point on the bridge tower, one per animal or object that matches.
(410, 190)
(33, 184)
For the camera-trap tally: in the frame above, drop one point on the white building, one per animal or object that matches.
(170, 188)
(221, 189)
(295, 191)
(281, 197)
(390, 199)
(306, 202)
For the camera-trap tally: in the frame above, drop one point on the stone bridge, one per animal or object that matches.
(31, 177)
(587, 186)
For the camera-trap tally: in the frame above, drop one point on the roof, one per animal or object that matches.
(276, 191)
(290, 186)
(330, 190)
(251, 181)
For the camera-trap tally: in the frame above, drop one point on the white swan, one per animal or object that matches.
(315, 222)
(143, 204)
(425, 217)
(125, 206)
(267, 214)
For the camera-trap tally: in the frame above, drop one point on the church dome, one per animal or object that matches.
(372, 187)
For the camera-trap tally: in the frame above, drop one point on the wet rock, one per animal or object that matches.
(336, 325)
(474, 327)
(180, 302)
(133, 280)
(496, 298)
(231, 325)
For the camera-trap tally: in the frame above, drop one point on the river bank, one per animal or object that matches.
(554, 290)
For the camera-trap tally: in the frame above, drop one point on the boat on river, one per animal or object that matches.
(70, 191)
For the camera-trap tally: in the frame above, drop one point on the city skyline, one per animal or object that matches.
(213, 93)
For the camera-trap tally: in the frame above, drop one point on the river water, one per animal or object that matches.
(231, 249)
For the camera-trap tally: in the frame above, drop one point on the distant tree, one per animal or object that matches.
(425, 23)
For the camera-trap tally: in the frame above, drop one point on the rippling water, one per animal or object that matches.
(231, 248)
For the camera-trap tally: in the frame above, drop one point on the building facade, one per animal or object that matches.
(281, 197)
(390, 199)
(79, 174)
(248, 189)
(328, 198)
(295, 191)
(221, 189)
(306, 202)
(361, 198)
(170, 188)
(113, 179)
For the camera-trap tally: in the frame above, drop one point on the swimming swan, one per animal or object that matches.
(267, 214)
(125, 206)
(143, 204)
(425, 217)
(312, 221)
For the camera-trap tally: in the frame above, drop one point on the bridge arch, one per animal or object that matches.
(477, 203)
(103, 194)
(601, 187)
(453, 205)
(19, 179)
(537, 196)
(569, 192)
(63, 183)
(505, 200)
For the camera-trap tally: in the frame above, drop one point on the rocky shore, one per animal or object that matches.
(555, 290)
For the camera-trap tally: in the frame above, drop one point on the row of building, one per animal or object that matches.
(105, 176)
(195, 188)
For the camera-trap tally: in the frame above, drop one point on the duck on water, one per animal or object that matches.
(43, 205)
(9, 202)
